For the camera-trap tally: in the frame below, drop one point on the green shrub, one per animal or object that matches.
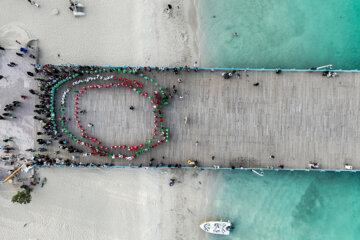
(22, 197)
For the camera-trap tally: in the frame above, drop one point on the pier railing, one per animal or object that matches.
(214, 69)
(205, 168)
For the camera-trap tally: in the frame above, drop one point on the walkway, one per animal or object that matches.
(296, 116)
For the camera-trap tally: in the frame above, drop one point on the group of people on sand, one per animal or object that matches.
(6, 148)
(9, 108)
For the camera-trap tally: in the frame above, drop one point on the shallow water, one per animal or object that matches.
(289, 205)
(280, 33)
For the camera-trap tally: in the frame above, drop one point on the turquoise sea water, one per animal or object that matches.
(289, 205)
(280, 33)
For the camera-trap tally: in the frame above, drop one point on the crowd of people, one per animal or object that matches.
(47, 77)
(11, 108)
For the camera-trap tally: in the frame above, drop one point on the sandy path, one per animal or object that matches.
(110, 204)
(126, 32)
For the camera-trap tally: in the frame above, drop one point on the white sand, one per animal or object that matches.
(110, 204)
(126, 32)
(11, 32)
(15, 84)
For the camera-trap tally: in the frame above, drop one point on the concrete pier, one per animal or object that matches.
(299, 117)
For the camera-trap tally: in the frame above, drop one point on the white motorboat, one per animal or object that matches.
(216, 227)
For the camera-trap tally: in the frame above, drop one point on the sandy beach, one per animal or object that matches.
(104, 203)
(112, 33)
(110, 204)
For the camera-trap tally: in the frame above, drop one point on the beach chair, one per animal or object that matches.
(79, 10)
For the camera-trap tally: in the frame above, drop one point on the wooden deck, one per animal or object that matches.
(296, 116)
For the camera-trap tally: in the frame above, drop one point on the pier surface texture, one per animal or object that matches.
(298, 117)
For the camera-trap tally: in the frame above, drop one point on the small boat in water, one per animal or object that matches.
(217, 227)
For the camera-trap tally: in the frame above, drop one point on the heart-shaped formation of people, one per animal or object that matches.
(157, 97)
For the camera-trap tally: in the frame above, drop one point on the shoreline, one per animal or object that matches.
(192, 14)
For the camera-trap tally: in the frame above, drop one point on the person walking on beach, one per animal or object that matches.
(8, 139)
(32, 2)
(168, 10)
